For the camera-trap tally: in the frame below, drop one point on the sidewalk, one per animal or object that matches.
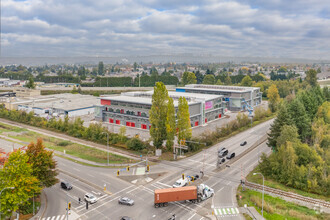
(43, 206)
(251, 211)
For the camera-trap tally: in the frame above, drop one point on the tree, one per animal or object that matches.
(170, 124)
(74, 90)
(184, 126)
(228, 80)
(188, 78)
(30, 83)
(17, 172)
(298, 114)
(273, 98)
(199, 77)
(100, 69)
(157, 114)
(283, 118)
(246, 81)
(209, 79)
(122, 132)
(43, 163)
(288, 133)
(218, 82)
(135, 65)
(311, 77)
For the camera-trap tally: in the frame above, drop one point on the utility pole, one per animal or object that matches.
(107, 145)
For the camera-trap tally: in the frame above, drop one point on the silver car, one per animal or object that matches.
(126, 201)
(90, 198)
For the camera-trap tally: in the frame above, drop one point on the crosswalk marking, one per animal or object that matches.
(58, 217)
(226, 211)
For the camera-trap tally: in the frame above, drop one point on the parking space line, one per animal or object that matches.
(191, 216)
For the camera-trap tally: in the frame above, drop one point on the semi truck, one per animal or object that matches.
(194, 194)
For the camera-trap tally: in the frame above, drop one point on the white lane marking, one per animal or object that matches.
(101, 205)
(196, 161)
(237, 210)
(224, 211)
(63, 217)
(164, 184)
(58, 217)
(191, 216)
(53, 218)
(133, 171)
(133, 189)
(228, 210)
(201, 218)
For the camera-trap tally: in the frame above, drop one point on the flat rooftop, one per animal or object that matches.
(65, 101)
(236, 89)
(146, 97)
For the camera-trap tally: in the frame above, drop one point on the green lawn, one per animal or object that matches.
(77, 150)
(276, 208)
(276, 185)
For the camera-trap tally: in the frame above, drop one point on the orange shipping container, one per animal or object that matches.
(175, 194)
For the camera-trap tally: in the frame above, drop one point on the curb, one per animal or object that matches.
(42, 210)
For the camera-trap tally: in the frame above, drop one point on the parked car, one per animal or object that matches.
(125, 218)
(126, 201)
(66, 185)
(243, 143)
(223, 153)
(222, 149)
(172, 218)
(232, 155)
(90, 198)
(180, 183)
(222, 160)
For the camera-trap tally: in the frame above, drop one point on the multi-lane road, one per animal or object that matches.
(140, 187)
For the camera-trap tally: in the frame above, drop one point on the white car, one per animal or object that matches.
(90, 198)
(180, 183)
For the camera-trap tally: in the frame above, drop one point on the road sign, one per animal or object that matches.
(181, 147)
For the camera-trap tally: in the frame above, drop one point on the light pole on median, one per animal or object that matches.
(263, 187)
(0, 197)
(107, 144)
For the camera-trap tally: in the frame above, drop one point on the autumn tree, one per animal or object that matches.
(170, 124)
(273, 98)
(183, 116)
(43, 163)
(17, 173)
(188, 78)
(158, 113)
(209, 79)
(246, 81)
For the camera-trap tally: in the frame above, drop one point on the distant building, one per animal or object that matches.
(132, 108)
(234, 96)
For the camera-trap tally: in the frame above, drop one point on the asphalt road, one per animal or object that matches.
(139, 187)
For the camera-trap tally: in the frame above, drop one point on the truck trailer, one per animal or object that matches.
(193, 194)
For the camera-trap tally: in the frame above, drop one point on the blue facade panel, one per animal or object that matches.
(180, 90)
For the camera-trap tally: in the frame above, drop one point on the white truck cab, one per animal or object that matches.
(180, 183)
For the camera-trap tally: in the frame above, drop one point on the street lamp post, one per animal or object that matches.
(0, 197)
(263, 189)
(107, 144)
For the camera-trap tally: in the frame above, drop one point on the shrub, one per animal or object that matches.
(64, 143)
(135, 144)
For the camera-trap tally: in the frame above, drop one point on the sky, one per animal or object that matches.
(111, 28)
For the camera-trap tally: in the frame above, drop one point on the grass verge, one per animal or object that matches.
(276, 185)
(73, 149)
(276, 208)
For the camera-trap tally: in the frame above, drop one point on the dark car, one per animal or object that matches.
(243, 143)
(232, 155)
(172, 218)
(222, 160)
(125, 218)
(223, 153)
(126, 201)
(66, 185)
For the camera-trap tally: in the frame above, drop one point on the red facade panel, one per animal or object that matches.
(196, 123)
(205, 120)
(118, 122)
(132, 124)
(219, 115)
(105, 102)
(111, 120)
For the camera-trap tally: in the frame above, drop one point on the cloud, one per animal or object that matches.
(142, 27)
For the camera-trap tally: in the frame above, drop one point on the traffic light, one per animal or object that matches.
(183, 176)
(192, 179)
(127, 168)
(148, 168)
(117, 172)
(69, 205)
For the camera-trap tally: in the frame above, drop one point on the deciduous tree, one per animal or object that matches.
(209, 79)
(170, 124)
(43, 163)
(273, 98)
(246, 81)
(17, 172)
(184, 126)
(157, 114)
(188, 78)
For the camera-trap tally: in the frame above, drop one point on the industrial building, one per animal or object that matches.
(236, 98)
(132, 108)
(66, 104)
